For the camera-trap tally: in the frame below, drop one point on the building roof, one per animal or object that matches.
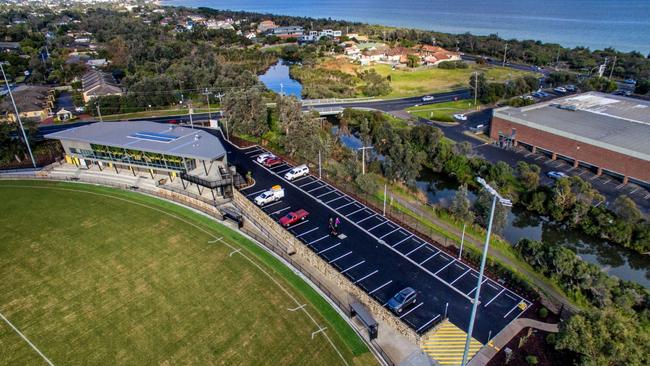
(174, 140)
(612, 122)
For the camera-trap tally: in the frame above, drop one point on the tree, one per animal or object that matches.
(412, 61)
(289, 112)
(528, 175)
(367, 183)
(482, 207)
(478, 85)
(625, 208)
(461, 207)
(563, 199)
(642, 87)
(374, 84)
(246, 112)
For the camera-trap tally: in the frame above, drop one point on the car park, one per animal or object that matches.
(276, 193)
(428, 98)
(297, 172)
(556, 175)
(271, 162)
(460, 117)
(560, 89)
(293, 217)
(402, 300)
(260, 159)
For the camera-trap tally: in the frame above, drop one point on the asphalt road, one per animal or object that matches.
(379, 256)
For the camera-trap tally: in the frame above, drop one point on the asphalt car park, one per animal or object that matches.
(381, 257)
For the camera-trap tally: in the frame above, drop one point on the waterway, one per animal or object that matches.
(277, 79)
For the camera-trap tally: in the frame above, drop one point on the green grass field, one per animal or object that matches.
(442, 111)
(98, 276)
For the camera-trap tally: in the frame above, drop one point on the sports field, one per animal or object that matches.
(97, 276)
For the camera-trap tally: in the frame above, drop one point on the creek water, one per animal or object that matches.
(277, 79)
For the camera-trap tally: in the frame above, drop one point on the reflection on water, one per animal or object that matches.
(277, 79)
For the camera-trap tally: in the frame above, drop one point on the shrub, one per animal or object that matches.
(532, 360)
(543, 313)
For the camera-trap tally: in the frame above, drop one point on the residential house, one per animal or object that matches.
(9, 46)
(33, 103)
(287, 32)
(100, 62)
(265, 26)
(96, 83)
(63, 115)
(434, 55)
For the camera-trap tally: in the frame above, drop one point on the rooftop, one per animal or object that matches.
(147, 136)
(617, 123)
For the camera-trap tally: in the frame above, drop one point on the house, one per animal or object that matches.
(100, 62)
(63, 115)
(33, 103)
(287, 32)
(434, 55)
(265, 26)
(96, 83)
(9, 46)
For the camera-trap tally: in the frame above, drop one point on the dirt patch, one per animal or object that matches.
(340, 64)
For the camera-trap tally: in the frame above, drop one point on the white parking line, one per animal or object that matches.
(366, 276)
(280, 210)
(378, 225)
(342, 256)
(335, 199)
(272, 204)
(458, 278)
(403, 240)
(380, 287)
(254, 193)
(325, 194)
(512, 298)
(647, 196)
(497, 295)
(284, 171)
(421, 263)
(298, 224)
(409, 253)
(385, 235)
(332, 247)
(511, 310)
(301, 178)
(412, 309)
(491, 285)
(253, 151)
(317, 188)
(361, 209)
(429, 322)
(305, 185)
(476, 286)
(317, 240)
(349, 268)
(347, 204)
(446, 265)
(307, 232)
(367, 218)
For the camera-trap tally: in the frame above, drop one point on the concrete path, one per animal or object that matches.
(501, 340)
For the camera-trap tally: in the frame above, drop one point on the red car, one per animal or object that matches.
(293, 217)
(273, 161)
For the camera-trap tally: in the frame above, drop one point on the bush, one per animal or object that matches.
(532, 360)
(542, 313)
(367, 183)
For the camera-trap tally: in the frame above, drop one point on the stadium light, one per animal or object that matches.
(507, 203)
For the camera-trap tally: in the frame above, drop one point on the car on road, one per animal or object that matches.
(276, 193)
(537, 95)
(460, 117)
(402, 300)
(271, 162)
(297, 172)
(428, 98)
(293, 217)
(630, 81)
(571, 88)
(260, 159)
(559, 89)
(556, 175)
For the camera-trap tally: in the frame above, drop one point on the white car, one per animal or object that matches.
(428, 98)
(260, 159)
(297, 172)
(460, 117)
(560, 89)
(276, 193)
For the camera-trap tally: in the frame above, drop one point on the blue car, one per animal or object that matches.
(402, 300)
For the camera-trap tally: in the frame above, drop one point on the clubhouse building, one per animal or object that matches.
(155, 149)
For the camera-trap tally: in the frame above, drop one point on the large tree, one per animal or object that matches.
(245, 112)
(461, 207)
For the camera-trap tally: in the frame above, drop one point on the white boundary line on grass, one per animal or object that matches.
(27, 340)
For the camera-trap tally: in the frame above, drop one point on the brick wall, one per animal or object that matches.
(593, 155)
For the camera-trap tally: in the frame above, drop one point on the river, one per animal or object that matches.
(277, 78)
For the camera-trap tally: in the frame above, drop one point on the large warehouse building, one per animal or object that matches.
(604, 132)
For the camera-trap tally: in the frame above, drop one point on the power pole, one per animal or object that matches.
(99, 113)
(20, 122)
(611, 72)
(363, 158)
(505, 52)
(475, 88)
(207, 99)
(557, 57)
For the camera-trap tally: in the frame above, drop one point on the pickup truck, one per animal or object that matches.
(276, 193)
(293, 217)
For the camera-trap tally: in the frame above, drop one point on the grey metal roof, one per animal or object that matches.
(616, 123)
(186, 142)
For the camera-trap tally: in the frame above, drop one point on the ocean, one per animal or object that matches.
(597, 24)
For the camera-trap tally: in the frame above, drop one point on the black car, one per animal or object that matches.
(402, 300)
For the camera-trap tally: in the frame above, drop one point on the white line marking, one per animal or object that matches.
(476, 286)
(325, 194)
(429, 322)
(318, 331)
(349, 268)
(254, 193)
(344, 255)
(272, 204)
(385, 235)
(497, 295)
(371, 292)
(280, 210)
(298, 224)
(305, 185)
(27, 340)
(332, 247)
(337, 198)
(361, 209)
(317, 240)
(412, 309)
(234, 252)
(421, 263)
(301, 178)
(254, 151)
(407, 254)
(378, 225)
(298, 308)
(403, 240)
(347, 204)
(511, 310)
(367, 218)
(446, 265)
(366, 276)
(284, 171)
(307, 232)
(458, 278)
(215, 240)
(494, 287)
(317, 188)
(460, 266)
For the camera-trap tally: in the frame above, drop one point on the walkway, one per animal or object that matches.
(501, 340)
(447, 344)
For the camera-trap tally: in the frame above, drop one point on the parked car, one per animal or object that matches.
(630, 81)
(80, 109)
(427, 98)
(260, 159)
(293, 217)
(402, 300)
(544, 94)
(559, 89)
(556, 175)
(271, 162)
(297, 172)
(571, 88)
(460, 117)
(537, 95)
(276, 193)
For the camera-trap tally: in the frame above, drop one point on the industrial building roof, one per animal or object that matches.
(148, 136)
(617, 123)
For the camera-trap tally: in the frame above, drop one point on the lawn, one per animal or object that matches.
(442, 111)
(97, 276)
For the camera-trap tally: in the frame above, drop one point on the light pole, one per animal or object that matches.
(507, 203)
(20, 122)
(207, 99)
(363, 158)
(475, 88)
